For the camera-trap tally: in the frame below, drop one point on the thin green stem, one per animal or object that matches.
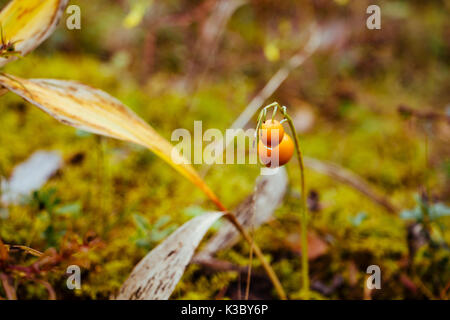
(274, 112)
(303, 214)
(270, 272)
(303, 217)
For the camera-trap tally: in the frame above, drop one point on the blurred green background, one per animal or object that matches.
(376, 102)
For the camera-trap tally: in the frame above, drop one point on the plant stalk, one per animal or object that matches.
(303, 214)
(270, 272)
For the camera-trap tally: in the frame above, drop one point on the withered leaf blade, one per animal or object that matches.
(254, 211)
(27, 23)
(156, 276)
(93, 110)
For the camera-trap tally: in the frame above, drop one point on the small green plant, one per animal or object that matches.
(147, 235)
(425, 211)
(285, 153)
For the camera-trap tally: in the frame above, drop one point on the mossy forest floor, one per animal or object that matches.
(112, 201)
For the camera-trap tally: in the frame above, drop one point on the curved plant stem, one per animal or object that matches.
(253, 247)
(272, 276)
(304, 217)
(270, 273)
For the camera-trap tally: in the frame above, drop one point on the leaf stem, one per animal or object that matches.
(272, 276)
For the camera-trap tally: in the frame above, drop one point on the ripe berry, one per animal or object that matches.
(284, 150)
(271, 133)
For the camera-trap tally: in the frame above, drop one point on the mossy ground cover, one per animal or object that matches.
(120, 200)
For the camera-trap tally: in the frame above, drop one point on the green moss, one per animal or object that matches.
(128, 199)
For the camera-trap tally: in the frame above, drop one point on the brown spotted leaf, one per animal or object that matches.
(95, 111)
(156, 276)
(27, 23)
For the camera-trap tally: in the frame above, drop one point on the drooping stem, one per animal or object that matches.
(303, 217)
(303, 213)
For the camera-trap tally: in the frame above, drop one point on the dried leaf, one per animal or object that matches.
(155, 276)
(30, 176)
(27, 23)
(254, 211)
(95, 111)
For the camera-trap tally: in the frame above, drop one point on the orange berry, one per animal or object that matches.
(284, 150)
(271, 133)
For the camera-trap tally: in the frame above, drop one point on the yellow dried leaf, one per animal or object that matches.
(27, 23)
(95, 111)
